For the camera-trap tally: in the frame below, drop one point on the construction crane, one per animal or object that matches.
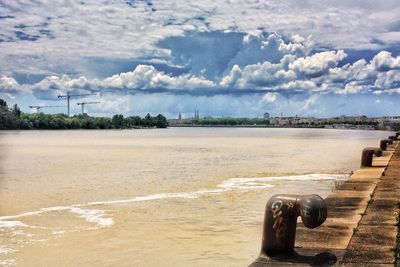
(85, 103)
(40, 107)
(68, 97)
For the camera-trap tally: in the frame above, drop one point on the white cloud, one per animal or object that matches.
(65, 33)
(224, 47)
(352, 88)
(384, 61)
(270, 97)
(63, 83)
(232, 78)
(388, 79)
(309, 104)
(300, 84)
(318, 63)
(147, 77)
(8, 84)
(316, 73)
(120, 104)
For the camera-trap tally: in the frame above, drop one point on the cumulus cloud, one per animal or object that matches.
(352, 87)
(317, 72)
(384, 61)
(389, 79)
(48, 36)
(261, 75)
(63, 83)
(317, 64)
(8, 84)
(205, 48)
(300, 85)
(147, 77)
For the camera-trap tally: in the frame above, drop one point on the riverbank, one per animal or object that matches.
(367, 127)
(362, 224)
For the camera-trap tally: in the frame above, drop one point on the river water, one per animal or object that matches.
(160, 197)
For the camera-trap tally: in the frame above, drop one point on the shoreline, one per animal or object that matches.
(199, 126)
(271, 127)
(362, 226)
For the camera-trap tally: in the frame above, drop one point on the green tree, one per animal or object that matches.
(132, 121)
(16, 110)
(118, 121)
(161, 121)
(3, 104)
(14, 118)
(148, 121)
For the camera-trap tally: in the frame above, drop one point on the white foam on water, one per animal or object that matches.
(7, 262)
(194, 194)
(90, 215)
(244, 184)
(98, 216)
(6, 250)
(263, 182)
(11, 224)
(228, 185)
(61, 232)
(58, 208)
(94, 216)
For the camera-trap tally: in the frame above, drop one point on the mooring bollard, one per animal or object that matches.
(279, 231)
(280, 220)
(384, 143)
(368, 152)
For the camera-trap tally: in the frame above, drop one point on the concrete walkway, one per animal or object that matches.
(361, 228)
(374, 241)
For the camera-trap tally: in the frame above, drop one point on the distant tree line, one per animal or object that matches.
(13, 118)
(230, 121)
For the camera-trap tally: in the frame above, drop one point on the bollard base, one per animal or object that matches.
(296, 259)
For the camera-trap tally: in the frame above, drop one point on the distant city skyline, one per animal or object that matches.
(223, 58)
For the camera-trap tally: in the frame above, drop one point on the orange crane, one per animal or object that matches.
(85, 103)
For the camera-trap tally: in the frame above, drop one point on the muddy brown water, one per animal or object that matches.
(168, 197)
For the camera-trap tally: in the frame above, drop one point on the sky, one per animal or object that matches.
(237, 58)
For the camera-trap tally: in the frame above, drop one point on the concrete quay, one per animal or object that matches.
(361, 228)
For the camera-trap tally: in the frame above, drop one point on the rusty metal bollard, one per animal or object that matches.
(384, 143)
(280, 220)
(368, 152)
(280, 223)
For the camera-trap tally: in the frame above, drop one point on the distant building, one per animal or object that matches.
(196, 114)
(180, 116)
(266, 115)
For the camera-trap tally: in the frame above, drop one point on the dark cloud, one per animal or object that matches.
(6, 17)
(20, 35)
(205, 53)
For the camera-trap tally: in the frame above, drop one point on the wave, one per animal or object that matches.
(99, 217)
(90, 215)
(6, 250)
(229, 185)
(256, 182)
(5, 223)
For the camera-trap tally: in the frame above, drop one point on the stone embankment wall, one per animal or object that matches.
(362, 224)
